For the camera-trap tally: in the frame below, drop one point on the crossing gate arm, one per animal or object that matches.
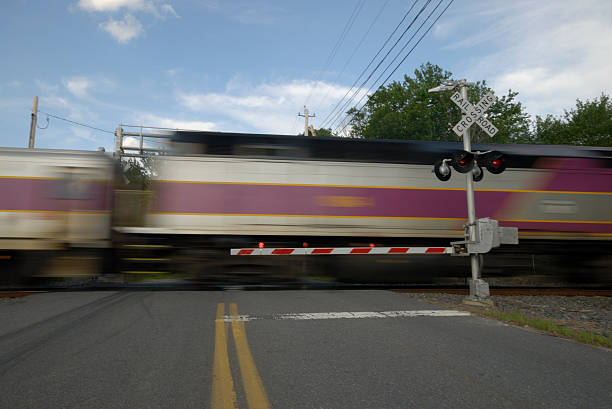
(338, 251)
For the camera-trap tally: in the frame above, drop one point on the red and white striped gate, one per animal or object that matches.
(338, 250)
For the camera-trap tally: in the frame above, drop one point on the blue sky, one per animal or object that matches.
(250, 66)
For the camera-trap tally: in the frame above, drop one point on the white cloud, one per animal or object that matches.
(167, 9)
(271, 107)
(81, 86)
(172, 123)
(111, 5)
(46, 87)
(550, 52)
(130, 27)
(123, 30)
(78, 86)
(153, 7)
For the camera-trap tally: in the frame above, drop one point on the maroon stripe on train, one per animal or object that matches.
(47, 195)
(307, 200)
(577, 174)
(334, 201)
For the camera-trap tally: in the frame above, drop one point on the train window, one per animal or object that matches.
(558, 206)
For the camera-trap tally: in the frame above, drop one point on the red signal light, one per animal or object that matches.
(304, 244)
(496, 162)
(462, 161)
(261, 244)
(372, 245)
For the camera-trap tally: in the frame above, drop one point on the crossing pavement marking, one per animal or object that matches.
(223, 394)
(235, 318)
(253, 386)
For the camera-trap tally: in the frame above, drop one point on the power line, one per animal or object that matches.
(406, 56)
(345, 30)
(382, 8)
(338, 118)
(347, 121)
(75, 123)
(333, 117)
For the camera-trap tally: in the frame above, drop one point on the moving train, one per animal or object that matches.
(213, 191)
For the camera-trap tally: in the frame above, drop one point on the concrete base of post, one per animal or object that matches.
(479, 294)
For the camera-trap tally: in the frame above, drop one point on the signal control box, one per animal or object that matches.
(488, 236)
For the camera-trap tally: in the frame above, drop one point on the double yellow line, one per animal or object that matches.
(223, 392)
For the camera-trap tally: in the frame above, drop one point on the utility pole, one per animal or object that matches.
(33, 123)
(118, 143)
(306, 116)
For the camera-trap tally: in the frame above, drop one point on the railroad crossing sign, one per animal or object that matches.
(473, 114)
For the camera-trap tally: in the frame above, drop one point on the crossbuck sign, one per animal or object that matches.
(473, 114)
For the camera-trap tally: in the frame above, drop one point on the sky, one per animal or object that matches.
(252, 65)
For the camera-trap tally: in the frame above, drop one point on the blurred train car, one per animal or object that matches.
(52, 201)
(221, 190)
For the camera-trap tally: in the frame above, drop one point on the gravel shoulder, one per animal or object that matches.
(589, 314)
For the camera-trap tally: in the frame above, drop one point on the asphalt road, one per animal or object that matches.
(236, 349)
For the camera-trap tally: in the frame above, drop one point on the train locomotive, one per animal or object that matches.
(213, 191)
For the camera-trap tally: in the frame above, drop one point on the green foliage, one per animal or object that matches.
(137, 172)
(320, 132)
(407, 110)
(324, 132)
(589, 124)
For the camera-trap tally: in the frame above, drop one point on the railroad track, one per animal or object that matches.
(566, 292)
(514, 291)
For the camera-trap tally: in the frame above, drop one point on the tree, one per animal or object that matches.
(406, 110)
(320, 132)
(137, 172)
(324, 132)
(589, 124)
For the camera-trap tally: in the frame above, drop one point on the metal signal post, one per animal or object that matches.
(481, 234)
(467, 146)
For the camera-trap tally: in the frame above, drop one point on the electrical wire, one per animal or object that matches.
(382, 8)
(403, 59)
(345, 30)
(338, 118)
(333, 117)
(75, 123)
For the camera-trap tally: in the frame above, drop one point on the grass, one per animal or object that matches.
(549, 326)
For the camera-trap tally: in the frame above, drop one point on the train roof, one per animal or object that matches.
(52, 152)
(364, 150)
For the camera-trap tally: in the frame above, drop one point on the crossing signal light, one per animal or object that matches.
(463, 161)
(477, 173)
(442, 170)
(494, 161)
